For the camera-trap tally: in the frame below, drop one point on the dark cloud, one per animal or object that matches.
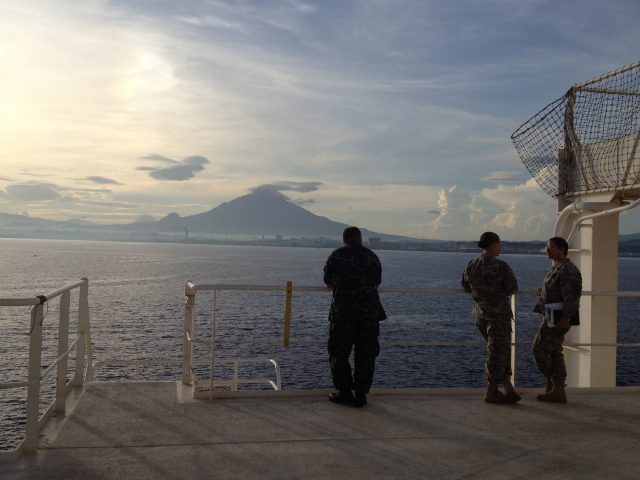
(160, 158)
(303, 187)
(33, 192)
(103, 180)
(178, 171)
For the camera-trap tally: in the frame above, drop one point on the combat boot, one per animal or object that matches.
(510, 392)
(494, 395)
(343, 397)
(557, 393)
(360, 400)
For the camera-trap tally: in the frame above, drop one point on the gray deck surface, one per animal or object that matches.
(149, 431)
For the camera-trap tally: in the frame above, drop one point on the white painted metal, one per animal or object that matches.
(586, 346)
(187, 347)
(63, 345)
(35, 422)
(84, 329)
(33, 380)
(590, 226)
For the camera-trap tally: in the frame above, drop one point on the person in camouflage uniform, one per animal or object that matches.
(490, 282)
(559, 303)
(354, 273)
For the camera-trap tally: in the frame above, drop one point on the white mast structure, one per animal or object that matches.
(584, 149)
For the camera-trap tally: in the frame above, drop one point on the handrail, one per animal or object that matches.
(19, 302)
(68, 288)
(190, 339)
(82, 345)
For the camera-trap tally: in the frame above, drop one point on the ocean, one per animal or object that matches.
(136, 297)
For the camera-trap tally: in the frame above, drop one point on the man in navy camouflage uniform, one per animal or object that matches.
(354, 273)
(561, 289)
(490, 282)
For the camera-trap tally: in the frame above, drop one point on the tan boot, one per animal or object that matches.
(557, 393)
(494, 395)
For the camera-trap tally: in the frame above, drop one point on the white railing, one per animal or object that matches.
(82, 344)
(190, 339)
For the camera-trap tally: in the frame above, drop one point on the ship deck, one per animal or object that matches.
(154, 430)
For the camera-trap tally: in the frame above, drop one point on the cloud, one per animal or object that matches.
(302, 202)
(160, 158)
(103, 180)
(527, 212)
(504, 176)
(461, 214)
(178, 171)
(32, 192)
(303, 187)
(78, 200)
(520, 212)
(213, 21)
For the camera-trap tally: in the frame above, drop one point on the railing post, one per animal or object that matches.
(513, 341)
(84, 302)
(63, 344)
(287, 314)
(187, 347)
(84, 337)
(33, 379)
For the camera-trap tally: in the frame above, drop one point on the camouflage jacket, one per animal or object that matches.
(490, 282)
(563, 284)
(355, 273)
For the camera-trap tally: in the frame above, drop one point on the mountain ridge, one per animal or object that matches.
(258, 213)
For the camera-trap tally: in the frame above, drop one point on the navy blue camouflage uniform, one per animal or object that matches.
(490, 282)
(355, 272)
(563, 284)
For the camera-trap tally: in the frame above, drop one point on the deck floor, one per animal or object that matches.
(153, 431)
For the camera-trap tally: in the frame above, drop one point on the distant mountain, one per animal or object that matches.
(9, 220)
(258, 213)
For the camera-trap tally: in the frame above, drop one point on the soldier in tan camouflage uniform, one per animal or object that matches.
(559, 303)
(490, 282)
(353, 272)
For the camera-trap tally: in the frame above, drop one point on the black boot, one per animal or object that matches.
(360, 400)
(343, 397)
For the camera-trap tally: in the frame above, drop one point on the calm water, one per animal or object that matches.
(136, 309)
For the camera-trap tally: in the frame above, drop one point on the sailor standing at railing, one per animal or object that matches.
(354, 273)
(559, 303)
(490, 282)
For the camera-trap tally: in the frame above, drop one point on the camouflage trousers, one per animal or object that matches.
(547, 350)
(496, 330)
(362, 335)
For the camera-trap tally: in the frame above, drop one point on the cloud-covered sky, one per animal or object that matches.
(392, 115)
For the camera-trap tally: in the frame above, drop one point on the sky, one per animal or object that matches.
(392, 115)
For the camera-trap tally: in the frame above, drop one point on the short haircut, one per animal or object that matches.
(560, 243)
(351, 235)
(487, 239)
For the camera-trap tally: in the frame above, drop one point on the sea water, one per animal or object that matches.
(136, 298)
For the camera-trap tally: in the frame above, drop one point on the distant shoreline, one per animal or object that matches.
(626, 249)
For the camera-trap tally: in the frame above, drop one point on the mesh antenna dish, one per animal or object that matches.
(587, 141)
